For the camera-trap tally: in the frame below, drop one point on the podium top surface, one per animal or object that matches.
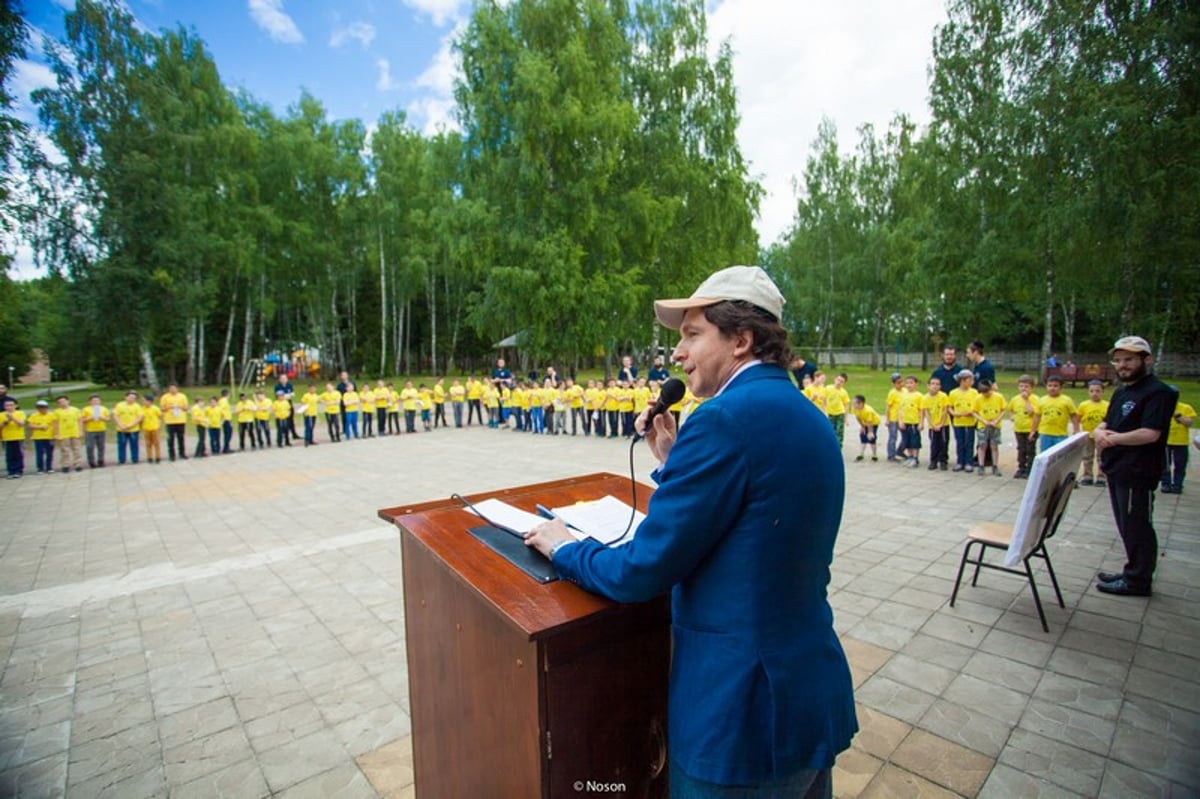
(535, 608)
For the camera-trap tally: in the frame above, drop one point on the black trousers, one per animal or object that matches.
(246, 429)
(474, 409)
(939, 445)
(175, 438)
(335, 426)
(1133, 510)
(381, 420)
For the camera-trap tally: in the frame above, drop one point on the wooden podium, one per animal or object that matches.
(524, 689)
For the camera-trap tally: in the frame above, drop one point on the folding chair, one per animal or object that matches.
(998, 535)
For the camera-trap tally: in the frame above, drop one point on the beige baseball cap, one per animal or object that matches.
(1131, 344)
(748, 283)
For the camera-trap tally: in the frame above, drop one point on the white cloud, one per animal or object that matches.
(432, 115)
(384, 82)
(439, 11)
(363, 32)
(439, 76)
(270, 16)
(796, 62)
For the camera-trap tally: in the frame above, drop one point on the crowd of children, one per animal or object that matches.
(64, 435)
(972, 415)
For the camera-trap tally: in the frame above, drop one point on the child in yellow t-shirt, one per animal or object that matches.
(868, 426)
(410, 398)
(1177, 448)
(1056, 409)
(367, 414)
(311, 402)
(12, 433)
(216, 423)
(128, 417)
(95, 430)
(425, 404)
(1024, 411)
(837, 400)
(934, 410)
(262, 418)
(331, 405)
(244, 412)
(41, 427)
(990, 406)
(281, 409)
(152, 422)
(199, 417)
(68, 427)
(962, 419)
(891, 416)
(910, 422)
(1091, 413)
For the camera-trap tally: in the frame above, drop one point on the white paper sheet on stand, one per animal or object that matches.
(501, 512)
(604, 519)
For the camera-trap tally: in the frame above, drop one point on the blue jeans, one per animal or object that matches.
(351, 422)
(127, 441)
(1045, 442)
(964, 445)
(804, 784)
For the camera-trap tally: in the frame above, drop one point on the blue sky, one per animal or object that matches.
(795, 61)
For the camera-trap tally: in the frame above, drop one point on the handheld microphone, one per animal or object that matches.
(671, 392)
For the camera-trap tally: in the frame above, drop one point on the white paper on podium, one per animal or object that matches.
(603, 519)
(501, 512)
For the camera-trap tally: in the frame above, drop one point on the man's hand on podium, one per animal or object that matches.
(545, 536)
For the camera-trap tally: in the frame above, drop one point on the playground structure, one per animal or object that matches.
(301, 361)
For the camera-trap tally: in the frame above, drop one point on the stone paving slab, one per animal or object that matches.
(233, 626)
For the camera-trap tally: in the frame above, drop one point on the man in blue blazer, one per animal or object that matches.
(741, 530)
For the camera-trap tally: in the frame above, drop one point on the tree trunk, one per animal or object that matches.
(189, 372)
(200, 355)
(383, 307)
(1069, 327)
(228, 341)
(431, 288)
(247, 333)
(148, 365)
(1048, 324)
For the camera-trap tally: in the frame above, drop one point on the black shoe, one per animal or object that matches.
(1121, 587)
(1110, 577)
(932, 467)
(943, 466)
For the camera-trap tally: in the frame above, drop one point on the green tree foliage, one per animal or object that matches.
(1053, 197)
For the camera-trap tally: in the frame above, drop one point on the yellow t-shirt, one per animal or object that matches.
(963, 402)
(625, 399)
(262, 409)
(866, 416)
(332, 401)
(425, 399)
(474, 389)
(892, 408)
(492, 397)
(226, 411)
(641, 398)
(612, 398)
(990, 406)
(1177, 436)
(69, 425)
(409, 398)
(41, 423)
(816, 395)
(310, 401)
(1022, 416)
(199, 415)
(836, 401)
(245, 411)
(95, 418)
(1091, 414)
(151, 418)
(281, 408)
(128, 415)
(439, 394)
(457, 393)
(1056, 413)
(935, 408)
(12, 425)
(216, 415)
(175, 407)
(382, 396)
(910, 408)
(367, 398)
(350, 400)
(575, 396)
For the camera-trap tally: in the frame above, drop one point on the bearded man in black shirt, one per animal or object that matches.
(1132, 441)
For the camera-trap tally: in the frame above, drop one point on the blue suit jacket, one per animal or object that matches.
(741, 529)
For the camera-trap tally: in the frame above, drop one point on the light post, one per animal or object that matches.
(232, 390)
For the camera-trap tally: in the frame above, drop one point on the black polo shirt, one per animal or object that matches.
(1147, 403)
(948, 375)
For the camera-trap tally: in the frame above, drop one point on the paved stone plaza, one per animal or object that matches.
(233, 626)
